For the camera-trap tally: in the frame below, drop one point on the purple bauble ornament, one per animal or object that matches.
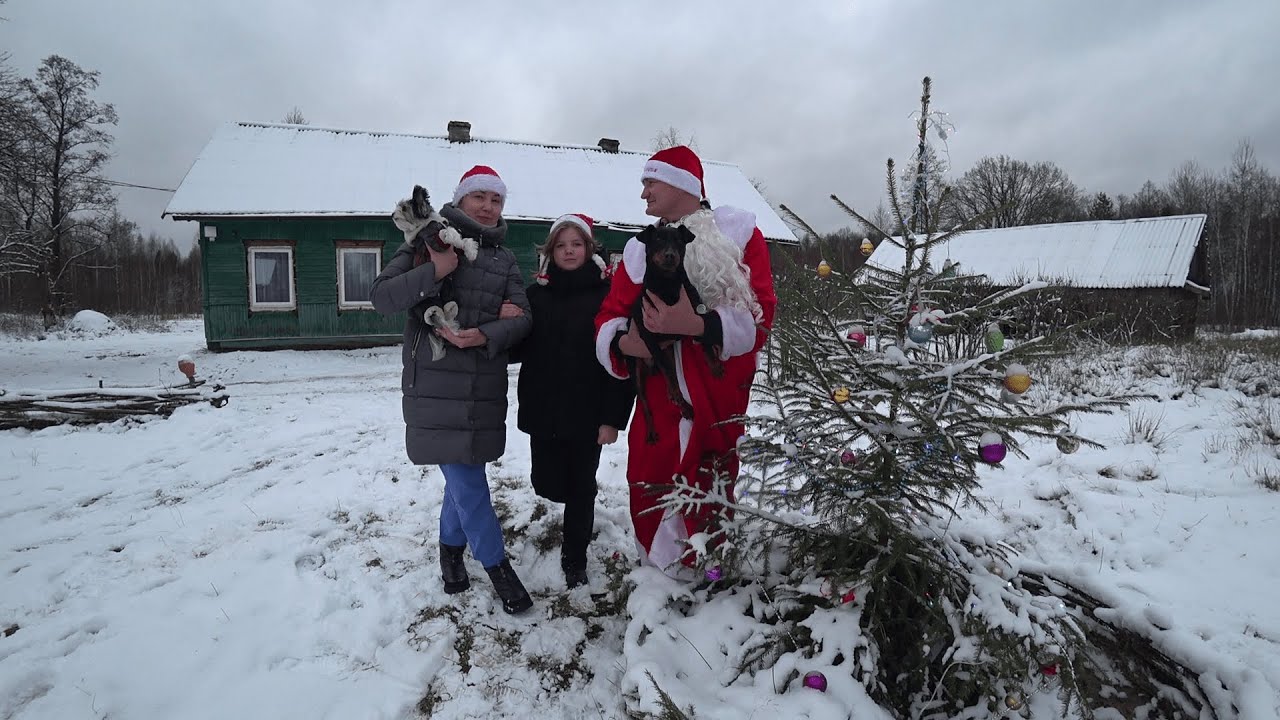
(991, 448)
(714, 573)
(848, 457)
(815, 680)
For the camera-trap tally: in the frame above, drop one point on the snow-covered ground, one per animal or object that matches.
(275, 558)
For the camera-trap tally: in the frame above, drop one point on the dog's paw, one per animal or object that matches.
(450, 236)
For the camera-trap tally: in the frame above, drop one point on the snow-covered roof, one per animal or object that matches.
(256, 169)
(1141, 253)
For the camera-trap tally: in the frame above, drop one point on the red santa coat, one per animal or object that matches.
(688, 448)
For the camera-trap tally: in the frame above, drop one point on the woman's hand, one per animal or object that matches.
(607, 435)
(465, 338)
(509, 310)
(445, 261)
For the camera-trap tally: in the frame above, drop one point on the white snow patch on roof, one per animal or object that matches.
(277, 170)
(1145, 252)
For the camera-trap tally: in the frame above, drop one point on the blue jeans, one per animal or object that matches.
(467, 516)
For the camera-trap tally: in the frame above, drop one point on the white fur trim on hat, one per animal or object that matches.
(573, 220)
(477, 183)
(673, 176)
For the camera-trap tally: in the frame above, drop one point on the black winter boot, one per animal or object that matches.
(508, 588)
(575, 573)
(452, 569)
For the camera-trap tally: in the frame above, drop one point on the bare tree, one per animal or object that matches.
(671, 137)
(18, 252)
(1009, 193)
(295, 117)
(1151, 200)
(70, 147)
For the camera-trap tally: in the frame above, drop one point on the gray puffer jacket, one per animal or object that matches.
(455, 409)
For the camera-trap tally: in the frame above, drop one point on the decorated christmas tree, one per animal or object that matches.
(889, 389)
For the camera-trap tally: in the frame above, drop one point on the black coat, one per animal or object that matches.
(564, 392)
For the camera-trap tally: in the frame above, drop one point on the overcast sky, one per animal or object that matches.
(808, 97)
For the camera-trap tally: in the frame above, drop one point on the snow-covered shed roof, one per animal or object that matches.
(1140, 253)
(256, 169)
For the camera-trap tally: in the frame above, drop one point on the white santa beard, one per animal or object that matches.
(715, 267)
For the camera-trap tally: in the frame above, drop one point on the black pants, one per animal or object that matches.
(564, 471)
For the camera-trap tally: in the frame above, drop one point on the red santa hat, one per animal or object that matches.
(678, 167)
(581, 222)
(480, 177)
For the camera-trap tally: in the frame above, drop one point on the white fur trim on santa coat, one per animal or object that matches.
(604, 340)
(476, 183)
(738, 225)
(633, 258)
(739, 330)
(668, 543)
(686, 425)
(673, 176)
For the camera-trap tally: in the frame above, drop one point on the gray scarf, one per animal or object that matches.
(488, 236)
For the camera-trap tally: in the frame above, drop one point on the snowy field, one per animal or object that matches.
(275, 558)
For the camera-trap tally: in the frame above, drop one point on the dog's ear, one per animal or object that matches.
(421, 201)
(686, 235)
(646, 234)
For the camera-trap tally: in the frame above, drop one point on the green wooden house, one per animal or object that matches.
(295, 221)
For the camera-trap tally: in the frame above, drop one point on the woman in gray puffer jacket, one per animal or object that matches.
(455, 407)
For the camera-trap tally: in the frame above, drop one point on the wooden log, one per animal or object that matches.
(36, 409)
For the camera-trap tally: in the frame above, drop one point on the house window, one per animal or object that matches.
(271, 278)
(357, 268)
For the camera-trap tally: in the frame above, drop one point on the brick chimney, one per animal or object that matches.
(459, 132)
(608, 145)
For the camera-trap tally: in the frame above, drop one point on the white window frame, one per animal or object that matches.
(342, 285)
(253, 292)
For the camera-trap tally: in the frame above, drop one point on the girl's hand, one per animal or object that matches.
(509, 310)
(465, 338)
(607, 435)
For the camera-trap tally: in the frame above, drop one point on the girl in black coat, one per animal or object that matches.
(569, 406)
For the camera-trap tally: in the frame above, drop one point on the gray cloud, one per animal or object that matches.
(810, 98)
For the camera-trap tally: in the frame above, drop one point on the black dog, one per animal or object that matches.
(664, 276)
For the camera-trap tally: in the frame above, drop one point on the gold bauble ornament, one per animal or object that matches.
(824, 269)
(1013, 701)
(1017, 380)
(841, 394)
(867, 248)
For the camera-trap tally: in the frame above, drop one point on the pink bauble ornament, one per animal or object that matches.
(848, 457)
(857, 335)
(815, 680)
(991, 448)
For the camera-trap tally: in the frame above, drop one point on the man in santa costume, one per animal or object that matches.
(728, 263)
